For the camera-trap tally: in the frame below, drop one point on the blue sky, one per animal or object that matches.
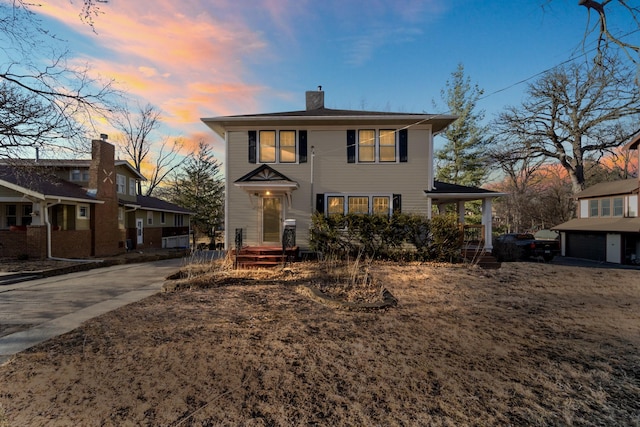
(205, 58)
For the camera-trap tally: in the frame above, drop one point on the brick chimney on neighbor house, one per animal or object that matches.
(315, 99)
(104, 217)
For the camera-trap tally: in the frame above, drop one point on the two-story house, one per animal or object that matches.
(289, 165)
(81, 208)
(607, 227)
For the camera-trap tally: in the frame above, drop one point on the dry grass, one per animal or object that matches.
(529, 344)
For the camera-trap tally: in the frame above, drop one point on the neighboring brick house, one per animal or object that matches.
(82, 208)
(607, 227)
(286, 166)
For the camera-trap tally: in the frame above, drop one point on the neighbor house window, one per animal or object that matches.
(83, 211)
(132, 186)
(149, 218)
(26, 214)
(79, 175)
(178, 220)
(605, 207)
(593, 208)
(633, 204)
(121, 182)
(162, 218)
(618, 206)
(10, 214)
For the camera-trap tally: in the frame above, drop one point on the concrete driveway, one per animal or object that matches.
(34, 311)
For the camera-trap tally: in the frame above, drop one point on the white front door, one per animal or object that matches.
(614, 248)
(271, 220)
(139, 234)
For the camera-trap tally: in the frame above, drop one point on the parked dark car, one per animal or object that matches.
(515, 246)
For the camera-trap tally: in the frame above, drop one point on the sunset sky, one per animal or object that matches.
(205, 58)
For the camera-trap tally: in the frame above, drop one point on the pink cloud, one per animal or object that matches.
(175, 55)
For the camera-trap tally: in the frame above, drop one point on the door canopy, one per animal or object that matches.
(266, 181)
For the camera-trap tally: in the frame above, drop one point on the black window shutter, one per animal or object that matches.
(351, 146)
(302, 150)
(253, 137)
(403, 139)
(320, 203)
(397, 203)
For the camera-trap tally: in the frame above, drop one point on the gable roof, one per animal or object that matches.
(265, 178)
(323, 116)
(33, 183)
(263, 173)
(610, 188)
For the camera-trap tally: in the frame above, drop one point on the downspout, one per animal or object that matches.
(313, 154)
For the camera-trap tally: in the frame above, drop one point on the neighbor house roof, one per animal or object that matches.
(34, 183)
(73, 163)
(155, 204)
(611, 188)
(616, 224)
(322, 116)
(634, 144)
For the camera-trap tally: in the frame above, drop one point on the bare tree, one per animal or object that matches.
(601, 8)
(576, 113)
(165, 163)
(45, 101)
(136, 140)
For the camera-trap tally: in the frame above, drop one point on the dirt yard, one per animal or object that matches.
(528, 344)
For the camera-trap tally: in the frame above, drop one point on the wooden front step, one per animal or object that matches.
(263, 256)
(481, 258)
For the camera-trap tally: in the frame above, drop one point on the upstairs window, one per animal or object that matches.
(178, 220)
(593, 208)
(277, 146)
(121, 182)
(377, 146)
(132, 186)
(78, 175)
(618, 206)
(366, 146)
(605, 207)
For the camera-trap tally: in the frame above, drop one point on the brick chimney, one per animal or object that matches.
(104, 217)
(315, 99)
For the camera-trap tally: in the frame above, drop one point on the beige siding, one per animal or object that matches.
(332, 174)
(6, 192)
